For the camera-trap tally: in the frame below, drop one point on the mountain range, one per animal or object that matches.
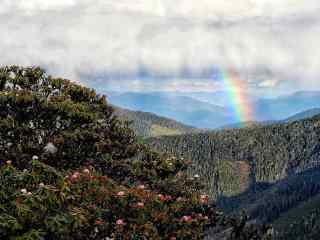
(299, 116)
(184, 109)
(213, 110)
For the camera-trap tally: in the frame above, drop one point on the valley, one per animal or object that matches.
(270, 169)
(267, 170)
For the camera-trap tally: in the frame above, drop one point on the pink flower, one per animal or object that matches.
(141, 187)
(75, 176)
(121, 194)
(99, 222)
(140, 204)
(164, 198)
(120, 222)
(103, 178)
(204, 199)
(9, 162)
(186, 218)
(161, 197)
(180, 199)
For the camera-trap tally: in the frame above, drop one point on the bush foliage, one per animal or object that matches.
(71, 170)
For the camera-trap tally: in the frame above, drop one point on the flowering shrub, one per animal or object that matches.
(44, 203)
(71, 170)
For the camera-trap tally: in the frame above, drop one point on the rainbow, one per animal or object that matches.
(237, 89)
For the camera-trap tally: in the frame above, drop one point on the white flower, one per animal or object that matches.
(40, 139)
(35, 157)
(50, 148)
(197, 176)
(58, 125)
(24, 191)
(31, 125)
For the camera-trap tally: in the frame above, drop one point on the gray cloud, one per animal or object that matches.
(147, 44)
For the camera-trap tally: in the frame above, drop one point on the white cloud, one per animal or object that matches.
(270, 83)
(31, 6)
(161, 37)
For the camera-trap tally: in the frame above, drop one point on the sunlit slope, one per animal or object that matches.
(150, 125)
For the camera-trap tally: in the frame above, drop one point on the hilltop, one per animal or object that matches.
(147, 124)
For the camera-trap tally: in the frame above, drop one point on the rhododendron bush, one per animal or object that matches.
(71, 170)
(43, 202)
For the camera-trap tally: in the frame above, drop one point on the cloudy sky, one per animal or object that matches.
(165, 45)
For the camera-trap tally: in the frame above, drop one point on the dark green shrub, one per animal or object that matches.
(89, 178)
(44, 203)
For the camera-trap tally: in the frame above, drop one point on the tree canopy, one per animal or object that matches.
(71, 170)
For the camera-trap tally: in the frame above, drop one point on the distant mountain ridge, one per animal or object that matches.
(213, 110)
(299, 116)
(180, 108)
(303, 115)
(285, 106)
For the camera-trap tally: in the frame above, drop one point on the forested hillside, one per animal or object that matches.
(266, 170)
(247, 124)
(301, 222)
(272, 152)
(147, 124)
